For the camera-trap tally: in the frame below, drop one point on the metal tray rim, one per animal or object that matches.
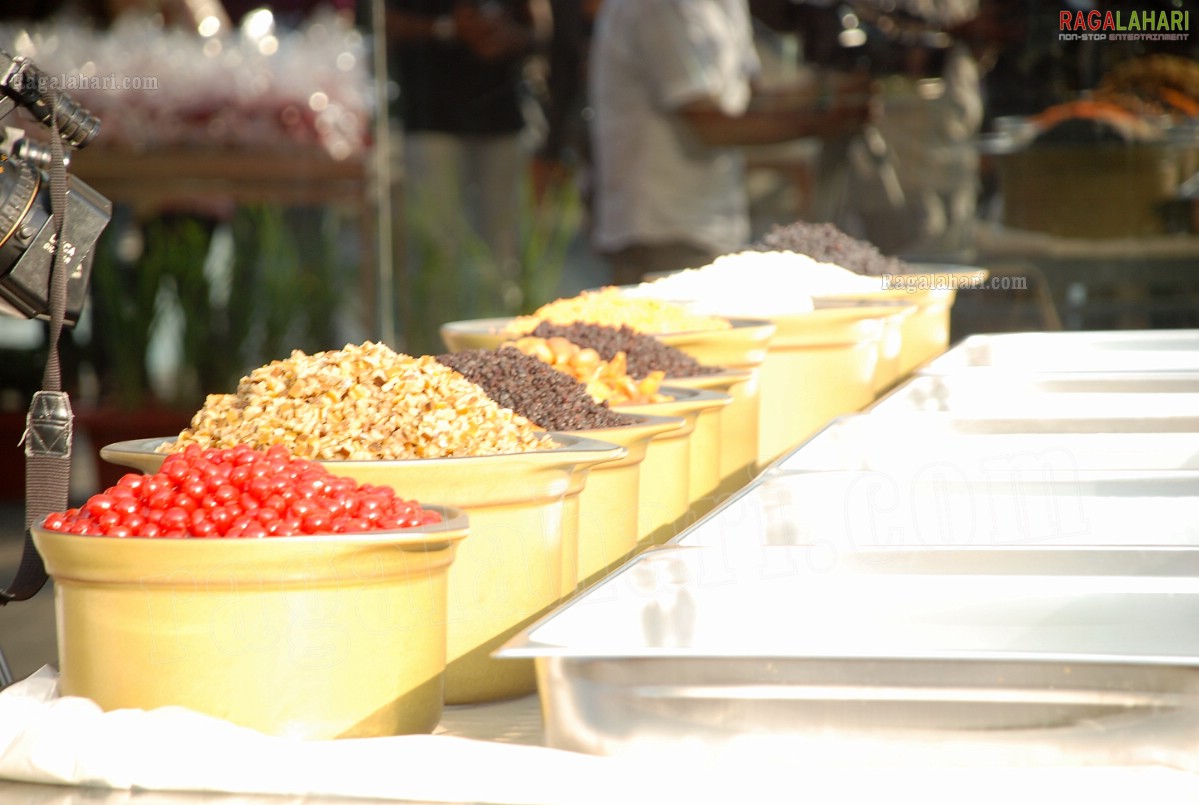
(918, 381)
(951, 360)
(1080, 475)
(522, 648)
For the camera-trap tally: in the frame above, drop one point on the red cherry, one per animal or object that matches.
(98, 504)
(316, 522)
(182, 500)
(175, 470)
(175, 518)
(221, 518)
(126, 506)
(224, 493)
(195, 487)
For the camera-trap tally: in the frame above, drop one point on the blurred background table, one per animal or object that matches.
(1102, 283)
(163, 179)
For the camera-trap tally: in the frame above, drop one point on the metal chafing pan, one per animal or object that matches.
(995, 448)
(711, 647)
(939, 506)
(989, 395)
(937, 518)
(1098, 351)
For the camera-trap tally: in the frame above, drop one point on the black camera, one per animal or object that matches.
(28, 237)
(882, 38)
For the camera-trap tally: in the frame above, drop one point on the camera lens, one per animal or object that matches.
(75, 124)
(24, 209)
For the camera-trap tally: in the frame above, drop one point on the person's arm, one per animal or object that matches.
(835, 105)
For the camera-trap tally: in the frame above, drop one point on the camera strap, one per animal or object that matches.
(48, 425)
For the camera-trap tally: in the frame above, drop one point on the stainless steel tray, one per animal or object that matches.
(994, 448)
(988, 395)
(709, 646)
(1097, 351)
(1087, 517)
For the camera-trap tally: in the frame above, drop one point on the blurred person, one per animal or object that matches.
(562, 97)
(672, 85)
(911, 183)
(462, 111)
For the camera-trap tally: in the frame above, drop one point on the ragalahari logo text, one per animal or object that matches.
(1153, 25)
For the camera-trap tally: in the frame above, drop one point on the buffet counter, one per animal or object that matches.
(948, 589)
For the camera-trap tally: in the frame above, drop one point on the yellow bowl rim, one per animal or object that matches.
(454, 527)
(564, 444)
(494, 326)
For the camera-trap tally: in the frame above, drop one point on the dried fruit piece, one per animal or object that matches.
(607, 381)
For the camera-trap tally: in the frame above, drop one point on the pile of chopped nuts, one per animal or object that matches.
(361, 402)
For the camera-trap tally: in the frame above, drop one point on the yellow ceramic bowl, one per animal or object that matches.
(890, 347)
(738, 424)
(743, 347)
(895, 314)
(925, 333)
(509, 573)
(460, 336)
(681, 470)
(740, 348)
(744, 344)
(821, 364)
(316, 637)
(933, 292)
(607, 507)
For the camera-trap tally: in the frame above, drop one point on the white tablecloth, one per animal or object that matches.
(46, 738)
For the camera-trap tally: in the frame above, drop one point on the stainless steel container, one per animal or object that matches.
(1021, 515)
(709, 647)
(1097, 351)
(991, 395)
(978, 447)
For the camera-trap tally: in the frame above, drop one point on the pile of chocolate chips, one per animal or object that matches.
(825, 243)
(537, 391)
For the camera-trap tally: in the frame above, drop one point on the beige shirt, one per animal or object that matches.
(655, 181)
